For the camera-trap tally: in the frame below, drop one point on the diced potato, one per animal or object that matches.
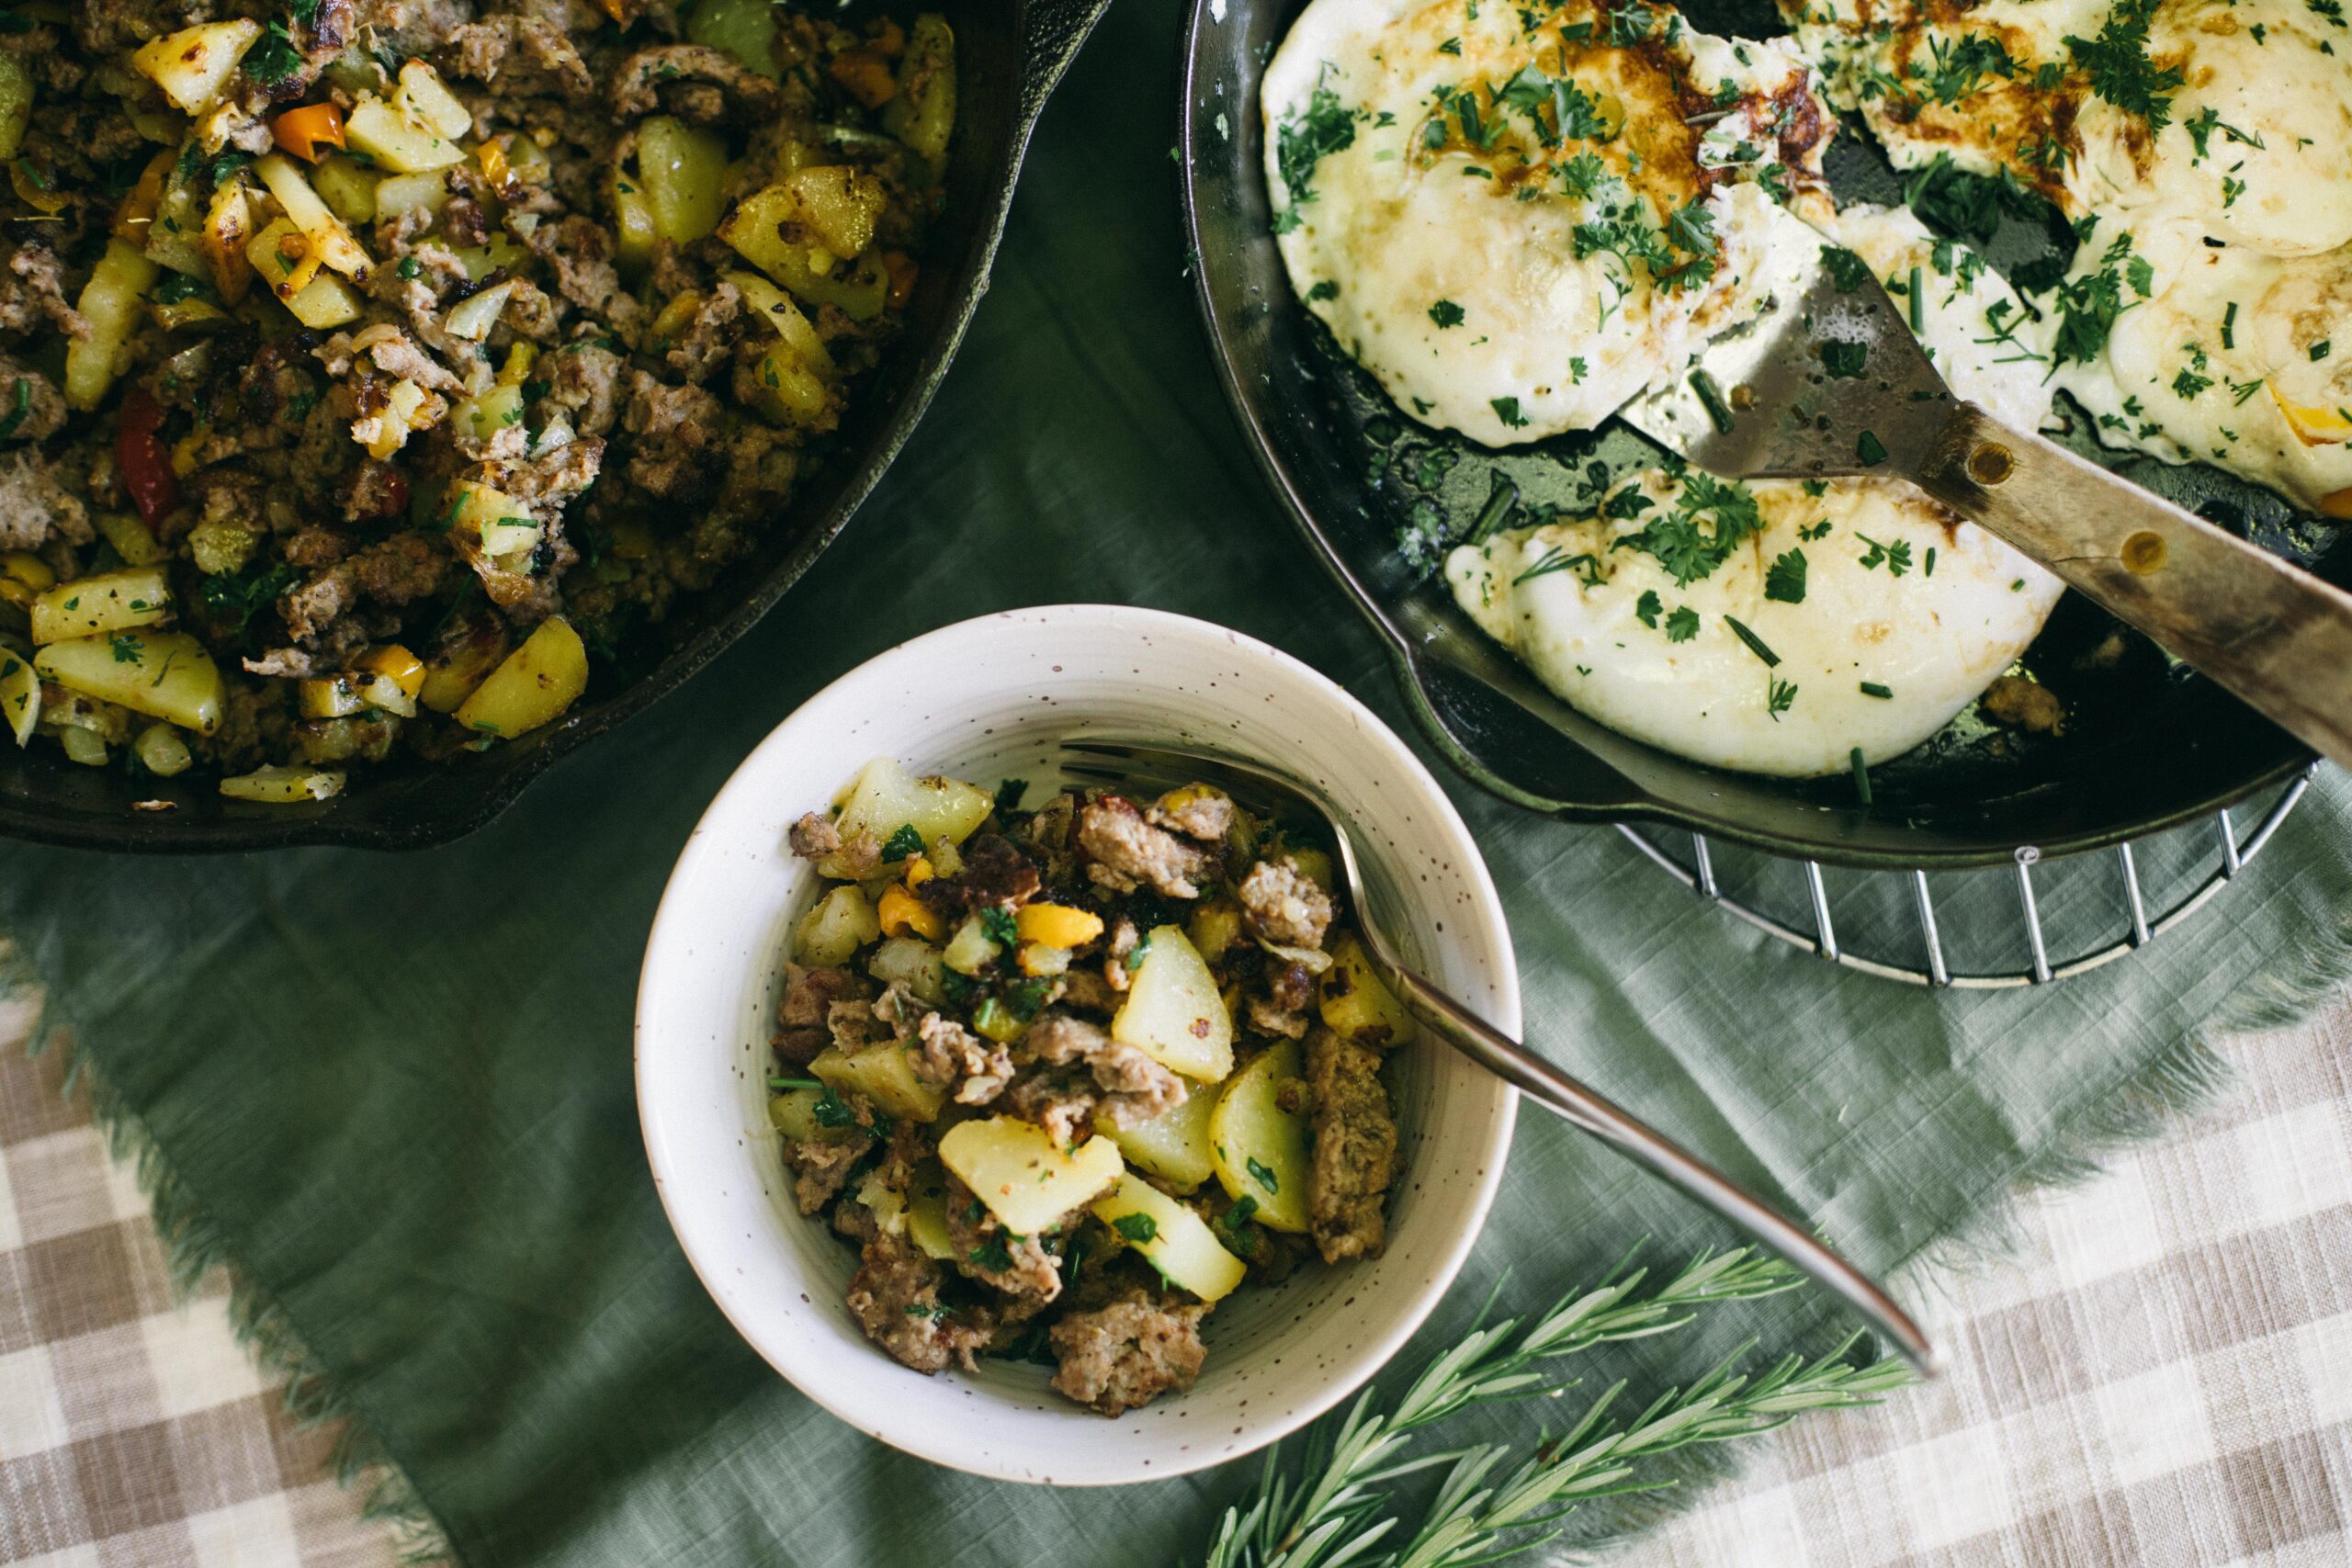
(971, 950)
(1025, 1178)
(485, 416)
(491, 525)
(284, 786)
(24, 577)
(927, 1211)
(537, 682)
(766, 229)
(301, 205)
(107, 602)
(81, 746)
(17, 102)
(884, 1076)
(325, 301)
(423, 98)
(162, 751)
(284, 258)
(683, 170)
(1174, 1144)
(222, 545)
(839, 203)
(193, 64)
(916, 965)
(400, 194)
(1354, 1003)
(355, 738)
(1263, 1152)
(165, 675)
(19, 695)
(835, 927)
(789, 393)
(349, 187)
(794, 1114)
(888, 1204)
(1214, 927)
(110, 303)
(462, 662)
(765, 302)
(923, 114)
(1173, 1013)
(63, 709)
(129, 537)
(1171, 1238)
(632, 222)
(885, 797)
(402, 145)
(744, 28)
(228, 228)
(481, 261)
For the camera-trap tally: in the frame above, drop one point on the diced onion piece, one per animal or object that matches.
(281, 786)
(1025, 1178)
(162, 751)
(535, 684)
(165, 675)
(473, 317)
(193, 64)
(840, 923)
(770, 305)
(106, 602)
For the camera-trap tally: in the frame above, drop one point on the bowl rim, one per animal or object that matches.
(1438, 816)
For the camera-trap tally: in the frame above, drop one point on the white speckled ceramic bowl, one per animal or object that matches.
(989, 699)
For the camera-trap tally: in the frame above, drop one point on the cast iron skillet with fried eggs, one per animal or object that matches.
(1382, 497)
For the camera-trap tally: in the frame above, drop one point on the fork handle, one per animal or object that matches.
(2273, 635)
(1586, 1108)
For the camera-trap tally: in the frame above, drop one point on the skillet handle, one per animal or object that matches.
(1051, 32)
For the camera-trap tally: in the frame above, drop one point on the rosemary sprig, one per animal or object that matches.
(1334, 1513)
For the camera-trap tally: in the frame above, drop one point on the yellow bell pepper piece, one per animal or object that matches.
(1057, 925)
(901, 912)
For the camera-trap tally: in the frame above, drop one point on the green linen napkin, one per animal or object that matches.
(395, 1093)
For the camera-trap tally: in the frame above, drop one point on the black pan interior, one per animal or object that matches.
(1008, 56)
(2146, 745)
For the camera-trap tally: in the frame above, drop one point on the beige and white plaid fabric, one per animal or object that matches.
(134, 1430)
(2161, 1380)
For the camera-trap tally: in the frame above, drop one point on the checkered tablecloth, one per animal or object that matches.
(2161, 1376)
(135, 1432)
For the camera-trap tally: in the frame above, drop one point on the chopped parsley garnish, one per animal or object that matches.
(1303, 141)
(1683, 625)
(1507, 410)
(1812, 531)
(2321, 350)
(904, 845)
(1756, 645)
(1895, 558)
(1326, 290)
(1869, 451)
(1844, 360)
(1233, 1219)
(997, 924)
(1961, 68)
(1647, 608)
(124, 647)
(1846, 270)
(1779, 696)
(1687, 551)
(1447, 313)
(833, 1112)
(2119, 68)
(993, 1254)
(1137, 1228)
(273, 57)
(2089, 305)
(236, 597)
(1784, 581)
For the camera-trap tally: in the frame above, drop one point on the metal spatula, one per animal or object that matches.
(1761, 403)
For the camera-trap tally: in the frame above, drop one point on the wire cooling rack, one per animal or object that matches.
(2229, 855)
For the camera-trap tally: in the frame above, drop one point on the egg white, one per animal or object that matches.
(1591, 613)
(1452, 274)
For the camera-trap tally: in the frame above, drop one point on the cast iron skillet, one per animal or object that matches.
(1008, 58)
(2145, 747)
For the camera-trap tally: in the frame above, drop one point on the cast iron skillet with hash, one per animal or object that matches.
(2145, 746)
(1009, 55)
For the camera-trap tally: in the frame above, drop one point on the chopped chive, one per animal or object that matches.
(1872, 689)
(1918, 304)
(1756, 645)
(1501, 497)
(1868, 451)
(2228, 322)
(1861, 776)
(1711, 396)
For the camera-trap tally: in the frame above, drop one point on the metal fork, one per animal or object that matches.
(1126, 763)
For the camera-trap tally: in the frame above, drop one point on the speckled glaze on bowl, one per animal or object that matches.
(988, 699)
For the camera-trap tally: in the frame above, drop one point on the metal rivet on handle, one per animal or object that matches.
(2143, 553)
(1990, 463)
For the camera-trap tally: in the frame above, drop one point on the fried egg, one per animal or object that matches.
(1780, 626)
(1518, 221)
(2214, 201)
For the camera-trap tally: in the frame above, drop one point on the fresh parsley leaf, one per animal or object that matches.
(1447, 313)
(997, 924)
(1507, 410)
(1682, 546)
(236, 597)
(1304, 140)
(904, 845)
(1647, 608)
(1784, 581)
(1895, 558)
(273, 57)
(2119, 68)
(1683, 625)
(1778, 697)
(1137, 1228)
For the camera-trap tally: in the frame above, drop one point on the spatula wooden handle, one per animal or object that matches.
(2272, 635)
